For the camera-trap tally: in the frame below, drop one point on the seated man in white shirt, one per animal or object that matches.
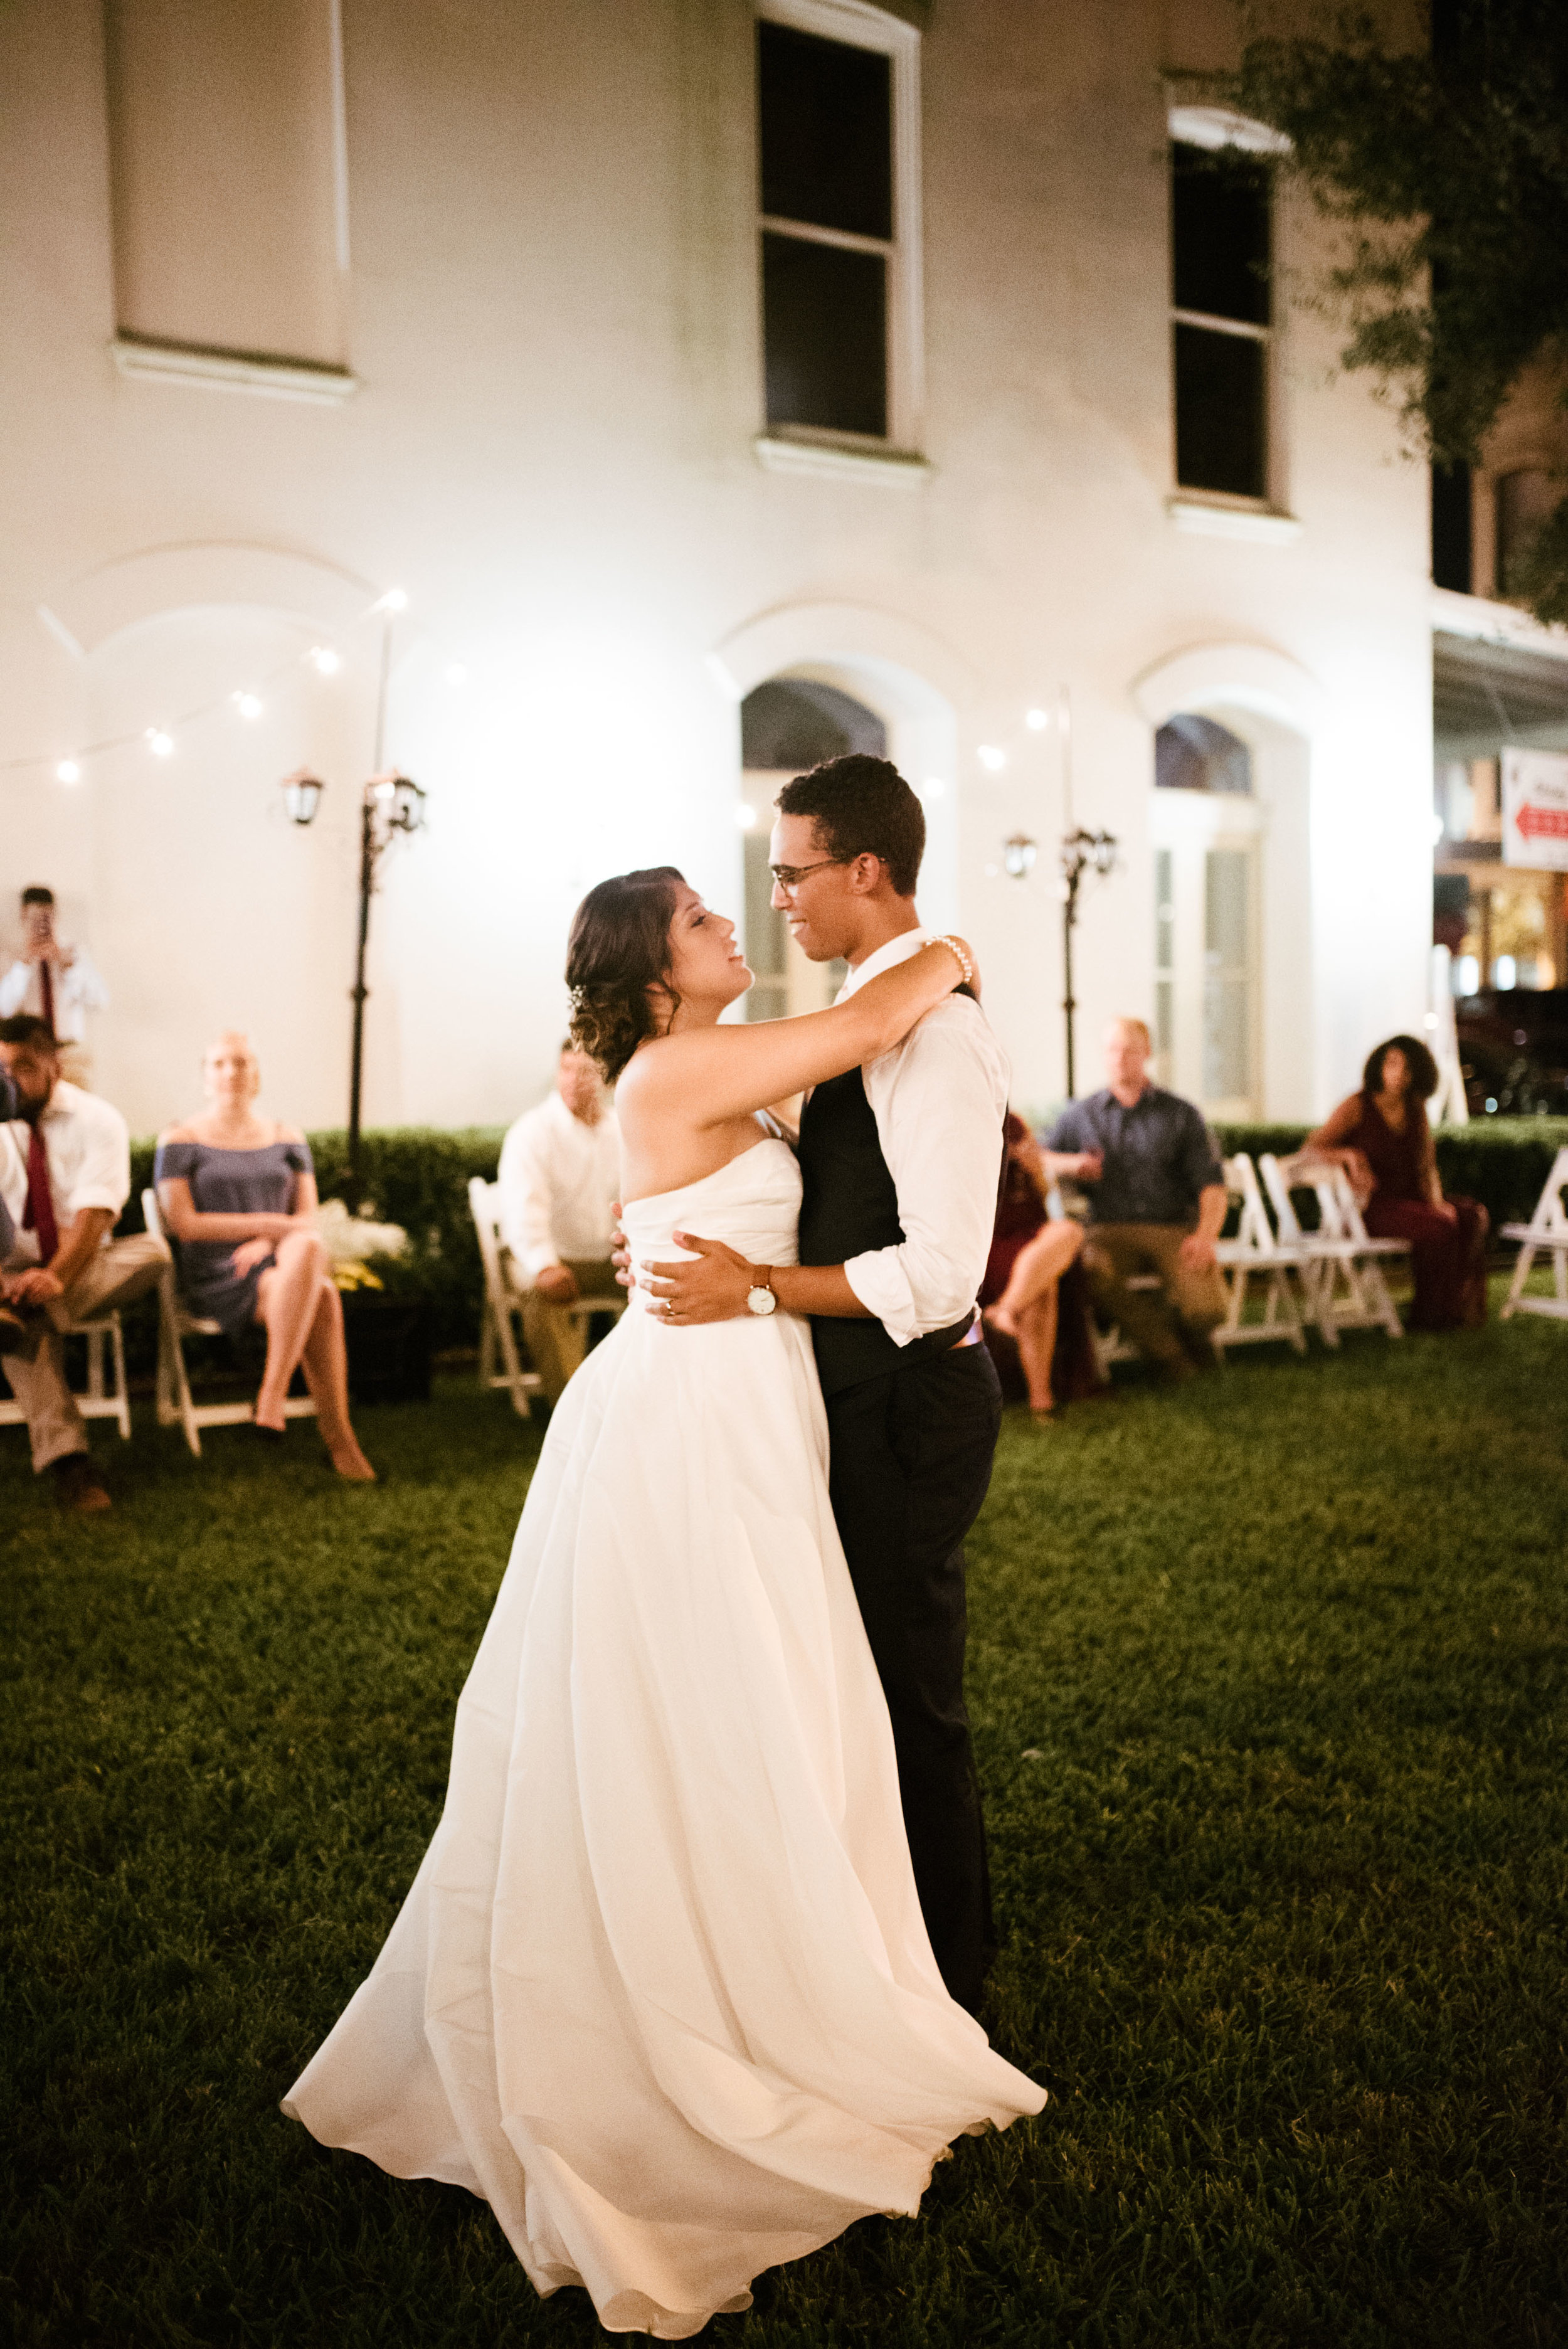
(65, 1174)
(560, 1175)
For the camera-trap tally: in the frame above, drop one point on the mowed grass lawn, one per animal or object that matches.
(1268, 1678)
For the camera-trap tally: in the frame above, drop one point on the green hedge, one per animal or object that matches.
(419, 1176)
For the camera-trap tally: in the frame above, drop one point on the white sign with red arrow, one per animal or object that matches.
(1535, 809)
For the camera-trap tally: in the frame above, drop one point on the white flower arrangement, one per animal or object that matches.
(349, 1240)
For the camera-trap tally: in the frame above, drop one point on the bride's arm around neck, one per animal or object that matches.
(710, 1075)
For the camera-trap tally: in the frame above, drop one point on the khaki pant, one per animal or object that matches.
(37, 1370)
(557, 1335)
(1189, 1303)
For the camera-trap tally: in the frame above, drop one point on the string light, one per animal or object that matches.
(1037, 721)
(745, 817)
(991, 758)
(325, 659)
(935, 788)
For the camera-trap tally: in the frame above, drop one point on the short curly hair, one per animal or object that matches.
(619, 947)
(861, 806)
(1418, 1060)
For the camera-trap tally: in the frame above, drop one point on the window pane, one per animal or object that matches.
(1220, 413)
(1451, 553)
(767, 938)
(824, 326)
(1165, 909)
(826, 114)
(1219, 236)
(1226, 977)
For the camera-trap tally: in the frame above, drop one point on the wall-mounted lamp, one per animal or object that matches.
(1018, 855)
(301, 794)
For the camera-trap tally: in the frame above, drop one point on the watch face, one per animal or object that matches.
(761, 1300)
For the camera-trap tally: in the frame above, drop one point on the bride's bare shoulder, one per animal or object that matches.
(664, 1060)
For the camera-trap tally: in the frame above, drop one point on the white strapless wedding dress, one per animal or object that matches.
(661, 1992)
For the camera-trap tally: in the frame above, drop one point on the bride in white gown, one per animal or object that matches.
(661, 1991)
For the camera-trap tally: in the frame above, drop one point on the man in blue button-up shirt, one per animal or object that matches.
(1159, 1195)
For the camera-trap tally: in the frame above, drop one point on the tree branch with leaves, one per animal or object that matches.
(1446, 162)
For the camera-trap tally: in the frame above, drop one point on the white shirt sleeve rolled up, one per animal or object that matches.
(939, 1099)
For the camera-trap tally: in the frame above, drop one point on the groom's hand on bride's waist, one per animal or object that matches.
(714, 1283)
(713, 1286)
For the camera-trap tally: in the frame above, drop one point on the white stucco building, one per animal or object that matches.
(502, 305)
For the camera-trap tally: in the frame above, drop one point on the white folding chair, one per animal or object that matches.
(1546, 1234)
(1344, 1265)
(497, 1336)
(176, 1322)
(1253, 1253)
(98, 1399)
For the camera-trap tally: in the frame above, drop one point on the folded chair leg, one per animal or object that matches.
(122, 1393)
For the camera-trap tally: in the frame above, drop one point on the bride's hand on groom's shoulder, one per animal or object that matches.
(712, 1288)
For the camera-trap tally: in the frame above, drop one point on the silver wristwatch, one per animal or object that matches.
(760, 1297)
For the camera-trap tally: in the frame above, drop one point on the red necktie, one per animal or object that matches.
(39, 1213)
(46, 987)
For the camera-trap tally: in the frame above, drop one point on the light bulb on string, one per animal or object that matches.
(249, 705)
(992, 758)
(1037, 721)
(396, 599)
(160, 743)
(67, 771)
(326, 659)
(745, 817)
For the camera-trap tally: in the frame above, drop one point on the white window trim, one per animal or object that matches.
(862, 26)
(232, 371)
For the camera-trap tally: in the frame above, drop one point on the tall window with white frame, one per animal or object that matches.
(1222, 316)
(837, 306)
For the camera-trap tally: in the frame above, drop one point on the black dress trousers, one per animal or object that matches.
(911, 1453)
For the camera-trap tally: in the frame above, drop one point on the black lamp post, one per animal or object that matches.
(388, 804)
(1082, 852)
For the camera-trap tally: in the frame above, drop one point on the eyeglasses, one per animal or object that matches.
(788, 878)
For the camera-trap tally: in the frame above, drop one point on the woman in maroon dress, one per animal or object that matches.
(1035, 1296)
(1380, 1136)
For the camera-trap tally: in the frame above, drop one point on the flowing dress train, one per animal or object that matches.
(661, 1991)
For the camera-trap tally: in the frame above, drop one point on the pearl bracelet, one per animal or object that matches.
(959, 956)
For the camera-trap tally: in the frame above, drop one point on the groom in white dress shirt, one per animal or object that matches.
(900, 1163)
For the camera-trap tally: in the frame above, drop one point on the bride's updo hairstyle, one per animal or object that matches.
(619, 947)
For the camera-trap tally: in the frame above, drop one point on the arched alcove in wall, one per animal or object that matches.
(201, 904)
(1230, 775)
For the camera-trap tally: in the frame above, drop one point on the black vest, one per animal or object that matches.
(848, 1204)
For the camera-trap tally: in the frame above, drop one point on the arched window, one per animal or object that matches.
(788, 725)
(1198, 754)
(792, 721)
